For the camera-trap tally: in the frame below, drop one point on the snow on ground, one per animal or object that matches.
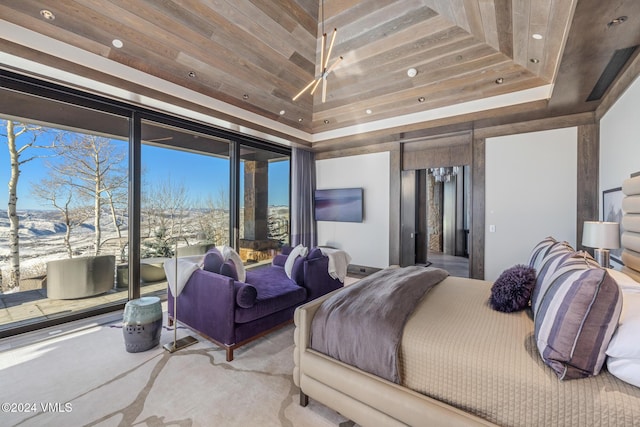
(42, 239)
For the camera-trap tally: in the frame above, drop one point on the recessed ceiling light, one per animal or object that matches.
(47, 14)
(282, 112)
(499, 80)
(421, 99)
(191, 74)
(537, 36)
(326, 122)
(245, 96)
(117, 43)
(618, 20)
(534, 60)
(368, 111)
(300, 119)
(412, 72)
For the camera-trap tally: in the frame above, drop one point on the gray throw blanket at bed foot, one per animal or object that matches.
(362, 324)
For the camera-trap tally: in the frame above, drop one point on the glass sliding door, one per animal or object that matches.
(264, 203)
(97, 194)
(184, 197)
(64, 170)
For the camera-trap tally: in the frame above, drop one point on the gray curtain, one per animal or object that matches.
(303, 184)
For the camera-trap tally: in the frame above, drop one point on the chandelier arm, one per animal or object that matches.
(334, 65)
(324, 89)
(322, 48)
(316, 85)
(333, 39)
(304, 90)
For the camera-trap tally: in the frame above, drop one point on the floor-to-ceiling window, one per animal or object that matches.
(264, 203)
(64, 199)
(185, 206)
(88, 178)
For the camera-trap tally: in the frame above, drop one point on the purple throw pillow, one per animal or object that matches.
(512, 290)
(315, 253)
(228, 268)
(213, 260)
(245, 295)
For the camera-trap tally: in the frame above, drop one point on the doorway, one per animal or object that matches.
(436, 218)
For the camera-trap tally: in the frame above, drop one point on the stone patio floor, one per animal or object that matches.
(23, 308)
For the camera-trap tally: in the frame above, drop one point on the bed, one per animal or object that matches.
(474, 365)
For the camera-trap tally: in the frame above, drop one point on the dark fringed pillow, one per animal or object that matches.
(512, 290)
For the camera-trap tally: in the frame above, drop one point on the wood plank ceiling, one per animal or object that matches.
(255, 55)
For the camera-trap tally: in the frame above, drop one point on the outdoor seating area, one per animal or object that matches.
(80, 277)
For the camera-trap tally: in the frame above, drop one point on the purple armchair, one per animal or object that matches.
(232, 313)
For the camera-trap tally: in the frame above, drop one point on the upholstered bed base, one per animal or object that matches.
(461, 364)
(359, 396)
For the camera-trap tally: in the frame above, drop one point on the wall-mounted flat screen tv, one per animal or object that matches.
(340, 204)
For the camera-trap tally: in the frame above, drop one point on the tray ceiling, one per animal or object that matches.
(242, 62)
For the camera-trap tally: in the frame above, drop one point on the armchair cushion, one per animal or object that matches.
(273, 295)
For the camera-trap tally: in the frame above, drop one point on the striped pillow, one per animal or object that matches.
(545, 263)
(539, 251)
(576, 319)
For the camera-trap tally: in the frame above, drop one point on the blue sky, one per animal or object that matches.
(202, 175)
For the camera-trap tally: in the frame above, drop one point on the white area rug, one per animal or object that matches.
(88, 378)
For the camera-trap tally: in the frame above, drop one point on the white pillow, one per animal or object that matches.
(625, 282)
(228, 253)
(295, 253)
(628, 370)
(625, 342)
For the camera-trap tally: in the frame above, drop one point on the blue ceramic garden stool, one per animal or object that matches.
(142, 324)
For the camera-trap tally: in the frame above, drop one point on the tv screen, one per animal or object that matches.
(340, 204)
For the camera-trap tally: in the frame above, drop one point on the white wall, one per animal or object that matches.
(530, 194)
(620, 140)
(366, 242)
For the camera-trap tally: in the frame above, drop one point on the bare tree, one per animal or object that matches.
(60, 194)
(117, 198)
(93, 166)
(164, 205)
(213, 221)
(17, 158)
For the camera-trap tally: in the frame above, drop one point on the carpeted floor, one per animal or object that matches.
(87, 378)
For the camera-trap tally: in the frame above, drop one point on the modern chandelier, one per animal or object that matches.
(324, 62)
(444, 174)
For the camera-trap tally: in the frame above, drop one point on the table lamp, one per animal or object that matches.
(601, 236)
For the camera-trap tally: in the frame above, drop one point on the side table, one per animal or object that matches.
(142, 324)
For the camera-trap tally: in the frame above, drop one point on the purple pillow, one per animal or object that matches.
(279, 260)
(228, 268)
(285, 250)
(512, 290)
(297, 272)
(245, 295)
(213, 260)
(315, 253)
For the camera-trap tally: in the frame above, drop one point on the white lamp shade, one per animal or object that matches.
(601, 235)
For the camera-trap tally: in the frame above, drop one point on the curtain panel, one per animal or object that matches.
(303, 185)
